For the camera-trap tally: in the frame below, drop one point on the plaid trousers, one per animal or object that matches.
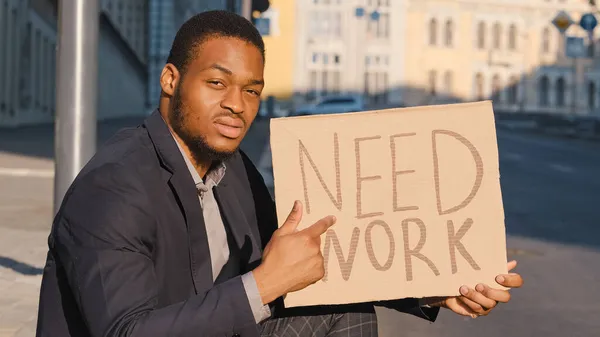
(351, 324)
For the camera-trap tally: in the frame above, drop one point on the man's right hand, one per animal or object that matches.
(292, 259)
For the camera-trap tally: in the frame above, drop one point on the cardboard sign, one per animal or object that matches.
(416, 194)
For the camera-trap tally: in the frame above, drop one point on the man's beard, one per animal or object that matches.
(199, 148)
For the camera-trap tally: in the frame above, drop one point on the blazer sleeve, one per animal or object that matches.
(103, 237)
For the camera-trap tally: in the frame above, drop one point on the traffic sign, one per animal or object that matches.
(263, 25)
(359, 12)
(562, 21)
(575, 47)
(375, 15)
(588, 22)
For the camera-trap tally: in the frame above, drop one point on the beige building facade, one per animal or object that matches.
(436, 51)
(341, 51)
(504, 50)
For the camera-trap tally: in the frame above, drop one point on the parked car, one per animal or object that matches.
(332, 104)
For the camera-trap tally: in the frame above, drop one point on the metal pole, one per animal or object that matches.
(247, 9)
(76, 91)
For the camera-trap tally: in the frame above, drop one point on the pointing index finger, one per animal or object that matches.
(320, 226)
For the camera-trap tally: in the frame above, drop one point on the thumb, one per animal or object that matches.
(293, 219)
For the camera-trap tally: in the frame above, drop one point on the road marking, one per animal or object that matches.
(562, 168)
(26, 172)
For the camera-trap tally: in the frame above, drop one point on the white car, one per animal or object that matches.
(332, 104)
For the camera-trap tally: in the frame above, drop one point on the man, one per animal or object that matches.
(169, 230)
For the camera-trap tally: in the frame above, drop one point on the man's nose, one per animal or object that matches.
(233, 101)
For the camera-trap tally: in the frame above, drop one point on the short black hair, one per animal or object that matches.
(209, 24)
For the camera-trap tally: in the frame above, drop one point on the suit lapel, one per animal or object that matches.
(201, 265)
(187, 196)
(245, 234)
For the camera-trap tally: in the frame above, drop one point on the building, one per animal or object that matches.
(28, 60)
(506, 50)
(418, 52)
(134, 42)
(352, 46)
(278, 28)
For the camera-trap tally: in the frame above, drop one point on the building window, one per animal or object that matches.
(324, 83)
(546, 41)
(497, 36)
(383, 28)
(449, 32)
(481, 35)
(512, 37)
(432, 82)
(513, 90)
(560, 92)
(591, 95)
(336, 82)
(448, 82)
(544, 87)
(433, 32)
(496, 97)
(313, 86)
(479, 86)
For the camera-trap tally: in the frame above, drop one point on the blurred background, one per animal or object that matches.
(538, 60)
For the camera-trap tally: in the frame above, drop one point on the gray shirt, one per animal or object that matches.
(217, 237)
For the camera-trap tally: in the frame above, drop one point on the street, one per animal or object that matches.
(551, 193)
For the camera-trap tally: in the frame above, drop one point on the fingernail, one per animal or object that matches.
(464, 290)
(480, 288)
(500, 279)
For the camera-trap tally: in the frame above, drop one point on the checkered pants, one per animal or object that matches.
(332, 325)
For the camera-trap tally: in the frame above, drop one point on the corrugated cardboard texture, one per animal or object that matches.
(416, 192)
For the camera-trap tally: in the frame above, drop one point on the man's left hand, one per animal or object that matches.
(481, 300)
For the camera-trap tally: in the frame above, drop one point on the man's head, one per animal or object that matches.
(212, 82)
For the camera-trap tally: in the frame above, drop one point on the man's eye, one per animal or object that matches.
(216, 83)
(254, 92)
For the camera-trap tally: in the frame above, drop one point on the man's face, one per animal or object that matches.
(217, 99)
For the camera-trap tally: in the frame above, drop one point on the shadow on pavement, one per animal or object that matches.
(20, 267)
(38, 140)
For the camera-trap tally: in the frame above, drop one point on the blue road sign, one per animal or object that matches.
(263, 25)
(359, 12)
(575, 47)
(588, 22)
(375, 15)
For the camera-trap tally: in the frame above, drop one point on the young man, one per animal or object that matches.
(169, 230)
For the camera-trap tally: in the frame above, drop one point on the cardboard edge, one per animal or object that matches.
(390, 110)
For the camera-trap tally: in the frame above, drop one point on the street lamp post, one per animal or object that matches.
(76, 91)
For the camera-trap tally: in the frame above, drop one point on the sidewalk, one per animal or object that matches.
(25, 219)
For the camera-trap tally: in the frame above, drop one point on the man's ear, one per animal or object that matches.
(169, 78)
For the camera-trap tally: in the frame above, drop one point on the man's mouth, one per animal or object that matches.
(229, 127)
